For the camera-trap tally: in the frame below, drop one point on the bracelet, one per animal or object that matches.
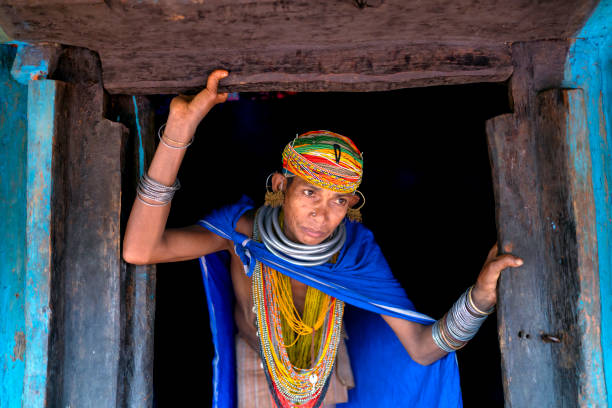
(476, 309)
(459, 325)
(150, 204)
(165, 139)
(155, 191)
(442, 339)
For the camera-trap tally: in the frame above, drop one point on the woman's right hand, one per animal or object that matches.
(187, 111)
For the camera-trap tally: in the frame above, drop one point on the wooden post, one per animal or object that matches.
(548, 310)
(85, 341)
(137, 281)
(13, 130)
(27, 127)
(42, 235)
(78, 323)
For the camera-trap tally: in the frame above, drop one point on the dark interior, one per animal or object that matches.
(429, 201)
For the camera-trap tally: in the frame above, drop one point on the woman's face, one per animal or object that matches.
(312, 213)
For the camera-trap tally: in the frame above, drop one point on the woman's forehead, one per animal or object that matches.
(305, 183)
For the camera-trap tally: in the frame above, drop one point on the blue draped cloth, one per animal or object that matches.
(385, 375)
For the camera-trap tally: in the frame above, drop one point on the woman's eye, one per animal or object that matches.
(342, 201)
(308, 193)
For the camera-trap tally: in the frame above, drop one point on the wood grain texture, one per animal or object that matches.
(522, 310)
(137, 281)
(548, 309)
(101, 342)
(86, 290)
(155, 46)
(369, 67)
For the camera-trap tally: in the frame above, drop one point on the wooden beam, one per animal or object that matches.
(165, 47)
(382, 67)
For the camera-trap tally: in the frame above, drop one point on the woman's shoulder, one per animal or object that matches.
(245, 223)
(226, 220)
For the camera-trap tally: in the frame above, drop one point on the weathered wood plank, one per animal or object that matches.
(581, 187)
(161, 47)
(137, 281)
(38, 3)
(86, 342)
(138, 323)
(522, 310)
(526, 361)
(382, 67)
(548, 310)
(560, 277)
(219, 24)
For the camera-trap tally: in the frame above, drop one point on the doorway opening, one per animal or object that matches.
(429, 202)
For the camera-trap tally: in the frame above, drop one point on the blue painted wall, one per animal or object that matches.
(27, 128)
(13, 128)
(589, 66)
(39, 189)
(141, 154)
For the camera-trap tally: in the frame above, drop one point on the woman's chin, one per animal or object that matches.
(307, 241)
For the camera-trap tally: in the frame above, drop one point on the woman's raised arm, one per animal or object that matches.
(146, 238)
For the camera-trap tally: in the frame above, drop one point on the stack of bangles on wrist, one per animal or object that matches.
(155, 191)
(459, 324)
(171, 143)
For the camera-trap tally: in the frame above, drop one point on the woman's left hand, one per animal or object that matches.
(484, 293)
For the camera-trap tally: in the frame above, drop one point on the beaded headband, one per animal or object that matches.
(325, 159)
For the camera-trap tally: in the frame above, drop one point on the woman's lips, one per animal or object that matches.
(313, 232)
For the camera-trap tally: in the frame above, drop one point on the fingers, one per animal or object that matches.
(208, 97)
(491, 271)
(212, 84)
(492, 253)
(505, 261)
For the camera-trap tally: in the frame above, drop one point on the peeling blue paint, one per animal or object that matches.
(41, 129)
(140, 146)
(589, 66)
(27, 67)
(13, 103)
(27, 123)
(29, 72)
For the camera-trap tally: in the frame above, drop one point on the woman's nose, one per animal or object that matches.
(319, 211)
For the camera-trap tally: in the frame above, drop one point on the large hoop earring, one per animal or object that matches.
(273, 198)
(354, 214)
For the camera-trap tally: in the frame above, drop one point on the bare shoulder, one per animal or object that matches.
(245, 223)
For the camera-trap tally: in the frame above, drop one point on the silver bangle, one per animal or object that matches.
(458, 326)
(150, 204)
(161, 139)
(155, 191)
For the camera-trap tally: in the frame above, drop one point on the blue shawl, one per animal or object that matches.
(385, 375)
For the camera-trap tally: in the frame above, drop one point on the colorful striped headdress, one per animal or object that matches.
(325, 159)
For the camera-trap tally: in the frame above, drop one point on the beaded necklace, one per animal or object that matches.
(302, 380)
(302, 334)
